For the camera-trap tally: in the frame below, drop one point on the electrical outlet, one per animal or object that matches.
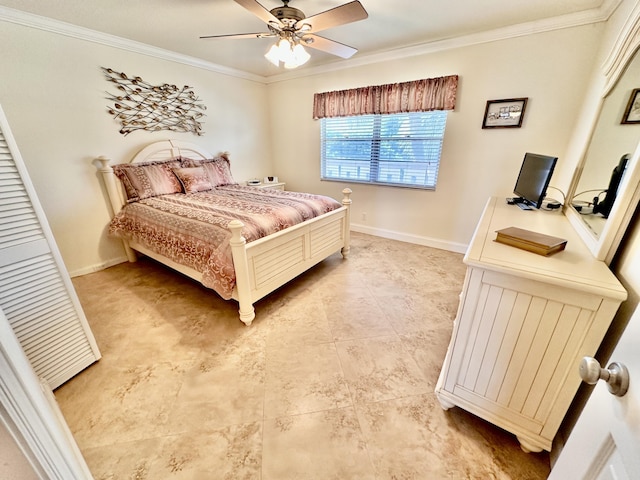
(364, 217)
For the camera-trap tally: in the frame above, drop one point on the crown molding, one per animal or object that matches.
(69, 30)
(586, 17)
(624, 49)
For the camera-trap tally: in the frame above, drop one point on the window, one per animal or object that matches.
(401, 149)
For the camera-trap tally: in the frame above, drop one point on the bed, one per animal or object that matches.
(261, 258)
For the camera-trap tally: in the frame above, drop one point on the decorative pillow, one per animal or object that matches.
(144, 180)
(193, 179)
(218, 169)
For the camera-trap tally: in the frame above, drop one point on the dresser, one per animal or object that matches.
(523, 324)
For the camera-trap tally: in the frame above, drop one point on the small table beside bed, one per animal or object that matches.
(177, 203)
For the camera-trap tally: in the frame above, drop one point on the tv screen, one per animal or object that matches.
(533, 179)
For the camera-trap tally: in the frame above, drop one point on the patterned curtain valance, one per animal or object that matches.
(416, 96)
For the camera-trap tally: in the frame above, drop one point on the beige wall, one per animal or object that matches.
(13, 462)
(53, 96)
(53, 93)
(550, 69)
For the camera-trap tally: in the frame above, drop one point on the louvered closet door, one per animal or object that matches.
(36, 293)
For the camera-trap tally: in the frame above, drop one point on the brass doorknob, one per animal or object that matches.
(616, 375)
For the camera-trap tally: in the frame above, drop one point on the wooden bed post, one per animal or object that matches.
(114, 195)
(241, 266)
(346, 201)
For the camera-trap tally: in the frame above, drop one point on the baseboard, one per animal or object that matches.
(376, 232)
(97, 267)
(415, 239)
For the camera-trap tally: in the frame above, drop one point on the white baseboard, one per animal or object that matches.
(376, 232)
(98, 267)
(415, 239)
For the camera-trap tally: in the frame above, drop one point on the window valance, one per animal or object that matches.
(415, 96)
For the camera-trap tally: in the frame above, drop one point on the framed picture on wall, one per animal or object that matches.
(507, 113)
(632, 112)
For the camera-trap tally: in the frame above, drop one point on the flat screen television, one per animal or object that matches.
(533, 179)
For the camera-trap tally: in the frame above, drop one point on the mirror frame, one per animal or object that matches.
(605, 245)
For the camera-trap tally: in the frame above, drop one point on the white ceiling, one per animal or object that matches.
(175, 25)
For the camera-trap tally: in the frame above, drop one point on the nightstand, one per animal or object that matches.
(273, 186)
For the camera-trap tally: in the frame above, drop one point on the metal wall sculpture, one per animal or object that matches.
(142, 106)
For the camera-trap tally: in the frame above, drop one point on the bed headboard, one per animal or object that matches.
(165, 150)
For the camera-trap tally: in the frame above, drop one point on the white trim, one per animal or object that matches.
(98, 267)
(33, 418)
(623, 51)
(586, 17)
(604, 247)
(67, 29)
(410, 238)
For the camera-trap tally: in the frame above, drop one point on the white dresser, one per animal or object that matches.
(523, 324)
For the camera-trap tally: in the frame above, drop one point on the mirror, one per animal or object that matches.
(610, 140)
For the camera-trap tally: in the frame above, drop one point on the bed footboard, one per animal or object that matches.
(266, 264)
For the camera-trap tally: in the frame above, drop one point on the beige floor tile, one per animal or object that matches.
(323, 445)
(358, 317)
(124, 460)
(303, 379)
(414, 313)
(334, 379)
(428, 348)
(222, 388)
(130, 404)
(232, 453)
(301, 323)
(414, 438)
(380, 369)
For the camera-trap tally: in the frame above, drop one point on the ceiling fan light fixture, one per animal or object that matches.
(294, 30)
(272, 55)
(300, 57)
(291, 54)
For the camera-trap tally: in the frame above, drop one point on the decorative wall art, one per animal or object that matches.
(506, 113)
(142, 106)
(632, 112)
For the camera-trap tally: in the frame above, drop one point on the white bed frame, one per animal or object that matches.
(261, 266)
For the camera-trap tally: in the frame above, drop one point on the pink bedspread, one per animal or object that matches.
(192, 229)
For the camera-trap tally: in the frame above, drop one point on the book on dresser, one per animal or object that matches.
(534, 242)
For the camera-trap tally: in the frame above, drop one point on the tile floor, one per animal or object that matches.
(334, 380)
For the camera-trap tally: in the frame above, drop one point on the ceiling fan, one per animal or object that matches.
(293, 30)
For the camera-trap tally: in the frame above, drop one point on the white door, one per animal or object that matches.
(605, 442)
(36, 293)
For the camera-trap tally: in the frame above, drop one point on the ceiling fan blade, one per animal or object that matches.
(347, 13)
(259, 11)
(329, 46)
(243, 35)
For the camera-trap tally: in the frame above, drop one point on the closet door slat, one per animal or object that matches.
(36, 293)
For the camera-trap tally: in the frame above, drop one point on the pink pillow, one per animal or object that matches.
(144, 180)
(193, 179)
(218, 169)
